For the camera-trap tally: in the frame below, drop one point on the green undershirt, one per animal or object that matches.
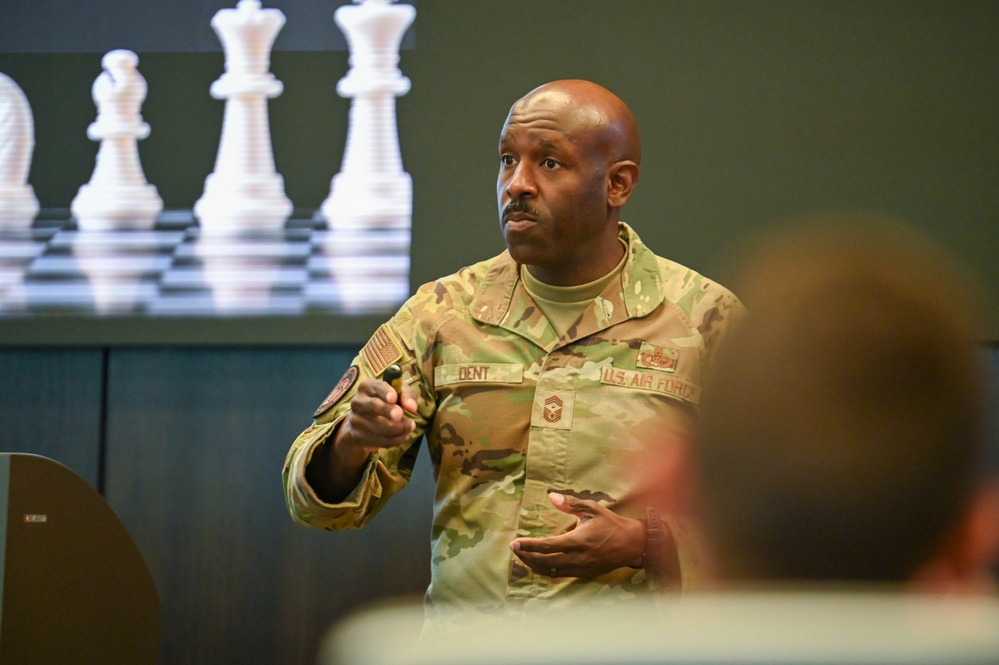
(563, 304)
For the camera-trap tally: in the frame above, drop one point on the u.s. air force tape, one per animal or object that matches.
(341, 387)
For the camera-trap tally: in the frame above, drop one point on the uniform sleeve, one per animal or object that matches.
(676, 563)
(673, 553)
(715, 315)
(387, 470)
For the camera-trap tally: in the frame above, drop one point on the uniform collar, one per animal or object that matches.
(501, 299)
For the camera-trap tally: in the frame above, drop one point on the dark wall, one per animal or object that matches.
(187, 446)
(750, 112)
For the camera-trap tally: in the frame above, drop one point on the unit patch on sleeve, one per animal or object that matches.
(381, 350)
(341, 387)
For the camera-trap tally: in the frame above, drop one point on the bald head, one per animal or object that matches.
(569, 153)
(589, 112)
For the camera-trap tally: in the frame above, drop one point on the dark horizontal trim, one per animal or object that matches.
(58, 330)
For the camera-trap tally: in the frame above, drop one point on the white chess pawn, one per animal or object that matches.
(117, 196)
(245, 192)
(372, 190)
(18, 204)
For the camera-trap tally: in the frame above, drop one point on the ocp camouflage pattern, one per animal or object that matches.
(511, 412)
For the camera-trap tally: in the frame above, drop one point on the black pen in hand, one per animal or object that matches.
(393, 377)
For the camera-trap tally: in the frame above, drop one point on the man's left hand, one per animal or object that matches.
(600, 541)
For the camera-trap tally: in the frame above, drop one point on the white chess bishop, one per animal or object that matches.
(117, 196)
(245, 192)
(18, 204)
(372, 190)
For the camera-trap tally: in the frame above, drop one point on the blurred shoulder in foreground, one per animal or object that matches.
(845, 425)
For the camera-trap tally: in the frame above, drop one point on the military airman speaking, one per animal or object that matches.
(539, 378)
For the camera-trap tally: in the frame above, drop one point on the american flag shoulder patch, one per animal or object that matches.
(382, 350)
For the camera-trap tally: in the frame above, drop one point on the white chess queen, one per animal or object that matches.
(118, 196)
(245, 192)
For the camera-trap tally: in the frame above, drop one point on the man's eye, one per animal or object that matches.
(506, 160)
(550, 164)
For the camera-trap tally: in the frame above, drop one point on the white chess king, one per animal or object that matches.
(372, 190)
(18, 204)
(117, 196)
(245, 192)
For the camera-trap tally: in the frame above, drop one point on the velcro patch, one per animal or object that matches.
(381, 350)
(341, 387)
(553, 409)
(657, 357)
(445, 375)
(671, 386)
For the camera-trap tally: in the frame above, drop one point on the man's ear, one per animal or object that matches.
(967, 560)
(622, 179)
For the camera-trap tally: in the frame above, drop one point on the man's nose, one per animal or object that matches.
(522, 182)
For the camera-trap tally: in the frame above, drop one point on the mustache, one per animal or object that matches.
(519, 205)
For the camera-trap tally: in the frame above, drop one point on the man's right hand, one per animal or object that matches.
(376, 420)
(377, 417)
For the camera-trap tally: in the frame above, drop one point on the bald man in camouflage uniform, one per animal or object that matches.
(541, 379)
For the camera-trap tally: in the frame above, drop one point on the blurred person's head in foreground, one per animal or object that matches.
(844, 422)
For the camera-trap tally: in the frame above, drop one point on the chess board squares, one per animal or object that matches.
(174, 219)
(177, 269)
(362, 242)
(262, 272)
(359, 270)
(106, 272)
(18, 248)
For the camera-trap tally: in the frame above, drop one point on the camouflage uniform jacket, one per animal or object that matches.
(511, 411)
